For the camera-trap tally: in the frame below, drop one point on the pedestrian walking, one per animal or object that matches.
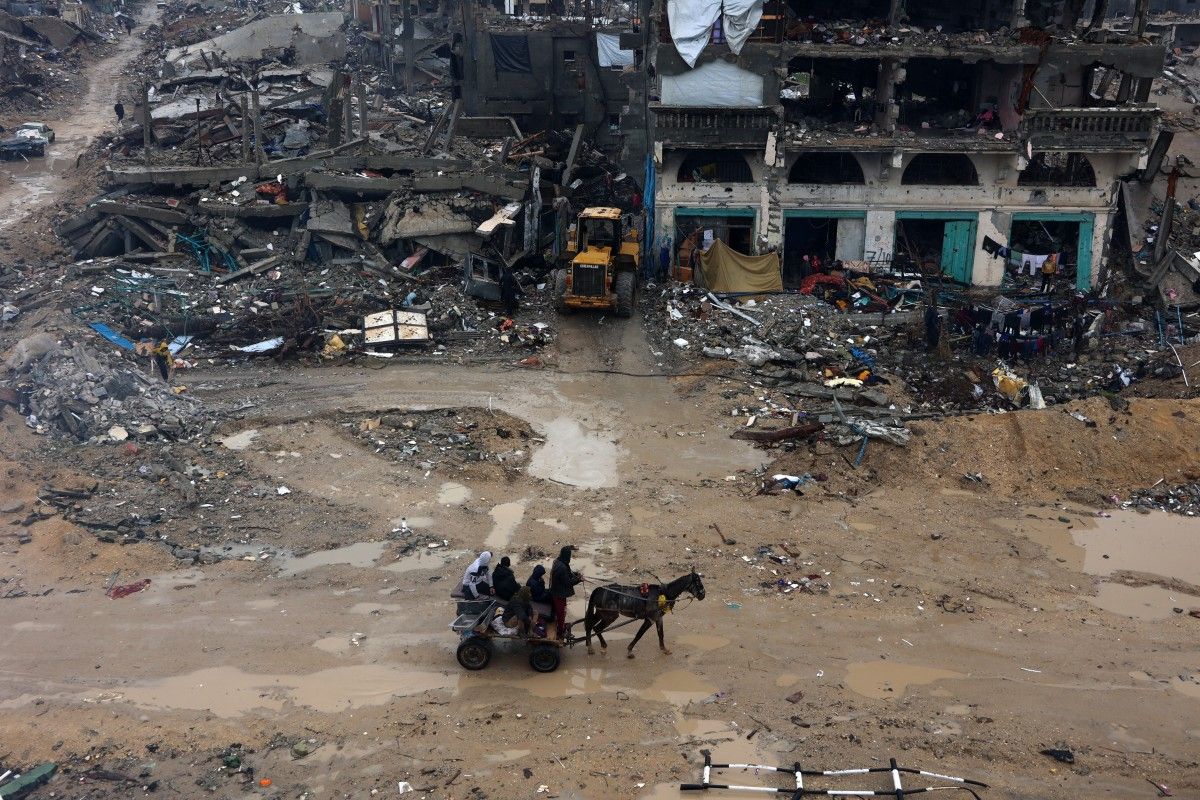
(119, 110)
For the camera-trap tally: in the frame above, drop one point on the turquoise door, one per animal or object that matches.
(958, 249)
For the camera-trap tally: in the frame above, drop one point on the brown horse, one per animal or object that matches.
(607, 603)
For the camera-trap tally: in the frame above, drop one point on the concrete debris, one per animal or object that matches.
(93, 393)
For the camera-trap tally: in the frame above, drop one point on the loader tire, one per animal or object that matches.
(560, 292)
(626, 284)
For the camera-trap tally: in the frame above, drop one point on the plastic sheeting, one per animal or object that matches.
(717, 84)
(691, 23)
(608, 48)
(723, 269)
(741, 17)
(510, 51)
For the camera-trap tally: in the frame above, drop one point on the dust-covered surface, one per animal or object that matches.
(295, 625)
(236, 583)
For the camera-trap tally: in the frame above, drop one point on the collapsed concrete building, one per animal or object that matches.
(926, 135)
(907, 135)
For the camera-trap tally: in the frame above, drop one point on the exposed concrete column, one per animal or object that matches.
(894, 11)
(258, 145)
(880, 239)
(386, 38)
(246, 123)
(1124, 89)
(1141, 93)
(891, 72)
(1140, 12)
(1018, 14)
(1099, 12)
(147, 122)
(409, 55)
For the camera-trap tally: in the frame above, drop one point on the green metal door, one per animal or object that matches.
(1083, 259)
(958, 249)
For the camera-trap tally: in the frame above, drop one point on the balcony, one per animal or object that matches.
(1120, 127)
(709, 127)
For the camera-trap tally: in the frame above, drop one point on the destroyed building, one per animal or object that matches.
(927, 135)
(550, 74)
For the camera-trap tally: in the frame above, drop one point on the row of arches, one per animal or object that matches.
(926, 169)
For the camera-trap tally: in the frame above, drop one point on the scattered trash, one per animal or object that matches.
(118, 592)
(1062, 755)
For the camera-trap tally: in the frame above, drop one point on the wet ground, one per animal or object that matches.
(1008, 633)
(27, 185)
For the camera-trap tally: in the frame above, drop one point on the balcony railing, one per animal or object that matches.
(735, 126)
(1136, 123)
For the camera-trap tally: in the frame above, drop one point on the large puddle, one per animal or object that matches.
(886, 680)
(1157, 543)
(230, 692)
(359, 554)
(505, 519)
(575, 457)
(1142, 602)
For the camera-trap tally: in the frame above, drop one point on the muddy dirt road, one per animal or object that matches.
(26, 186)
(961, 631)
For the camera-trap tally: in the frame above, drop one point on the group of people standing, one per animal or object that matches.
(480, 582)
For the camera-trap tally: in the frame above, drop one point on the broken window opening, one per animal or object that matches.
(1058, 169)
(715, 166)
(830, 91)
(1044, 237)
(827, 168)
(940, 169)
(695, 234)
(945, 95)
(809, 244)
(510, 52)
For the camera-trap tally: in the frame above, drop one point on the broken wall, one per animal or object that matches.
(313, 38)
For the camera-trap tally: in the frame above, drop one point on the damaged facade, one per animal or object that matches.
(903, 136)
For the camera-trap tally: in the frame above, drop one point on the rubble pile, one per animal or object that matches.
(69, 387)
(805, 353)
(1182, 498)
(446, 439)
(46, 56)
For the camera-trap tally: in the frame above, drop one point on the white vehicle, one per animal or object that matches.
(36, 130)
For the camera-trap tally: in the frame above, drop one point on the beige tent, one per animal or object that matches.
(723, 269)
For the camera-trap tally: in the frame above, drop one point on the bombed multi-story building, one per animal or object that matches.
(926, 134)
(930, 134)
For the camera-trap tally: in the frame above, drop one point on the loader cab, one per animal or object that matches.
(600, 233)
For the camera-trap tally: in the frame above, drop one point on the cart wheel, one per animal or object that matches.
(544, 658)
(475, 652)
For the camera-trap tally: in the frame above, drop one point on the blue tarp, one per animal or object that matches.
(114, 337)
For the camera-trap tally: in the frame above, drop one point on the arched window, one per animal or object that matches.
(940, 169)
(826, 168)
(1058, 169)
(715, 166)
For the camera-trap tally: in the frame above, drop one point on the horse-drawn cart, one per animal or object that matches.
(477, 634)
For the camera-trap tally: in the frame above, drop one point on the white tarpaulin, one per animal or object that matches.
(717, 84)
(608, 47)
(741, 17)
(691, 24)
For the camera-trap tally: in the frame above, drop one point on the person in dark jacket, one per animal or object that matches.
(504, 581)
(562, 586)
(537, 585)
(119, 110)
(510, 292)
